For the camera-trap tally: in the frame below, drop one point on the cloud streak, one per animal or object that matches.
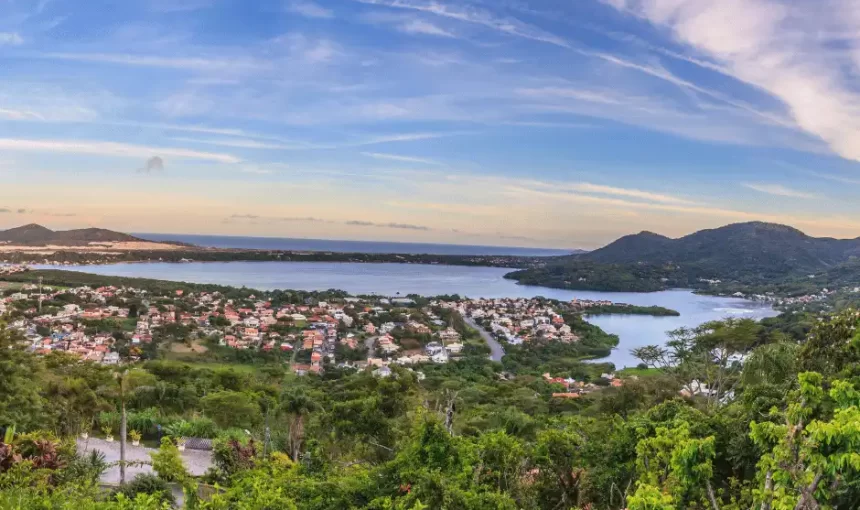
(310, 10)
(400, 158)
(777, 190)
(400, 226)
(98, 148)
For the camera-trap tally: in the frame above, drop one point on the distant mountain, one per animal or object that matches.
(747, 245)
(37, 235)
(746, 254)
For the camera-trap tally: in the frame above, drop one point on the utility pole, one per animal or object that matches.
(40, 295)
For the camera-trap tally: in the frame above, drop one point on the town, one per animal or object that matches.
(311, 332)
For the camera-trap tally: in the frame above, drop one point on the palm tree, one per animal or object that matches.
(296, 404)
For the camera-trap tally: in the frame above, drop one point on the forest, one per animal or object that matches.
(730, 415)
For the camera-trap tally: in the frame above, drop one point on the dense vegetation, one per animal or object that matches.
(729, 415)
(625, 309)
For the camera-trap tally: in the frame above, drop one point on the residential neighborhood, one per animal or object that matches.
(112, 324)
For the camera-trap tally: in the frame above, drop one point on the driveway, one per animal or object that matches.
(196, 461)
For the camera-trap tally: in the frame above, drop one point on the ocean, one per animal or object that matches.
(328, 245)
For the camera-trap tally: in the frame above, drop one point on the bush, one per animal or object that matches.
(145, 483)
(196, 427)
(144, 421)
(167, 462)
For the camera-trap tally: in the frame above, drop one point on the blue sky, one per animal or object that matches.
(505, 122)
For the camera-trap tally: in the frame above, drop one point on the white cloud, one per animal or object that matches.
(778, 190)
(11, 39)
(97, 148)
(310, 10)
(777, 47)
(417, 26)
(397, 157)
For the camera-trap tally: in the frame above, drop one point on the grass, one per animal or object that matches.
(639, 372)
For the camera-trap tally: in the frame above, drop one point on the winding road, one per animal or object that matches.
(496, 349)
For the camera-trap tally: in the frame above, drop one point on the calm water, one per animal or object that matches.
(327, 245)
(429, 280)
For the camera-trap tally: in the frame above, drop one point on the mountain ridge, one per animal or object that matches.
(757, 243)
(34, 234)
(744, 255)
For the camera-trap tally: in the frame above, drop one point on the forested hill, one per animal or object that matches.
(33, 234)
(748, 244)
(746, 253)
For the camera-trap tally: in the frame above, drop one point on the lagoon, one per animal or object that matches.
(430, 280)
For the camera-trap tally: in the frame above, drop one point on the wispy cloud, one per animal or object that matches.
(8, 114)
(98, 148)
(275, 219)
(626, 192)
(402, 226)
(209, 64)
(11, 39)
(417, 26)
(403, 137)
(400, 158)
(468, 14)
(778, 190)
(310, 9)
(407, 23)
(242, 143)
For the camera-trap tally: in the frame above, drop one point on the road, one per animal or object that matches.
(496, 349)
(368, 342)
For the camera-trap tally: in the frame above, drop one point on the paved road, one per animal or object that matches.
(196, 461)
(368, 342)
(496, 349)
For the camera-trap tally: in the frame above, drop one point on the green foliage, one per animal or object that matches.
(167, 462)
(232, 409)
(149, 485)
(20, 400)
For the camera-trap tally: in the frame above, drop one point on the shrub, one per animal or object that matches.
(167, 462)
(144, 421)
(146, 483)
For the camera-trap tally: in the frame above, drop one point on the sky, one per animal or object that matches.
(541, 123)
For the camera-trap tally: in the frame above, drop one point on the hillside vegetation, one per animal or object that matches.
(742, 254)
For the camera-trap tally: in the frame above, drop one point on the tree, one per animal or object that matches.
(232, 409)
(296, 404)
(708, 353)
(20, 401)
(811, 459)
